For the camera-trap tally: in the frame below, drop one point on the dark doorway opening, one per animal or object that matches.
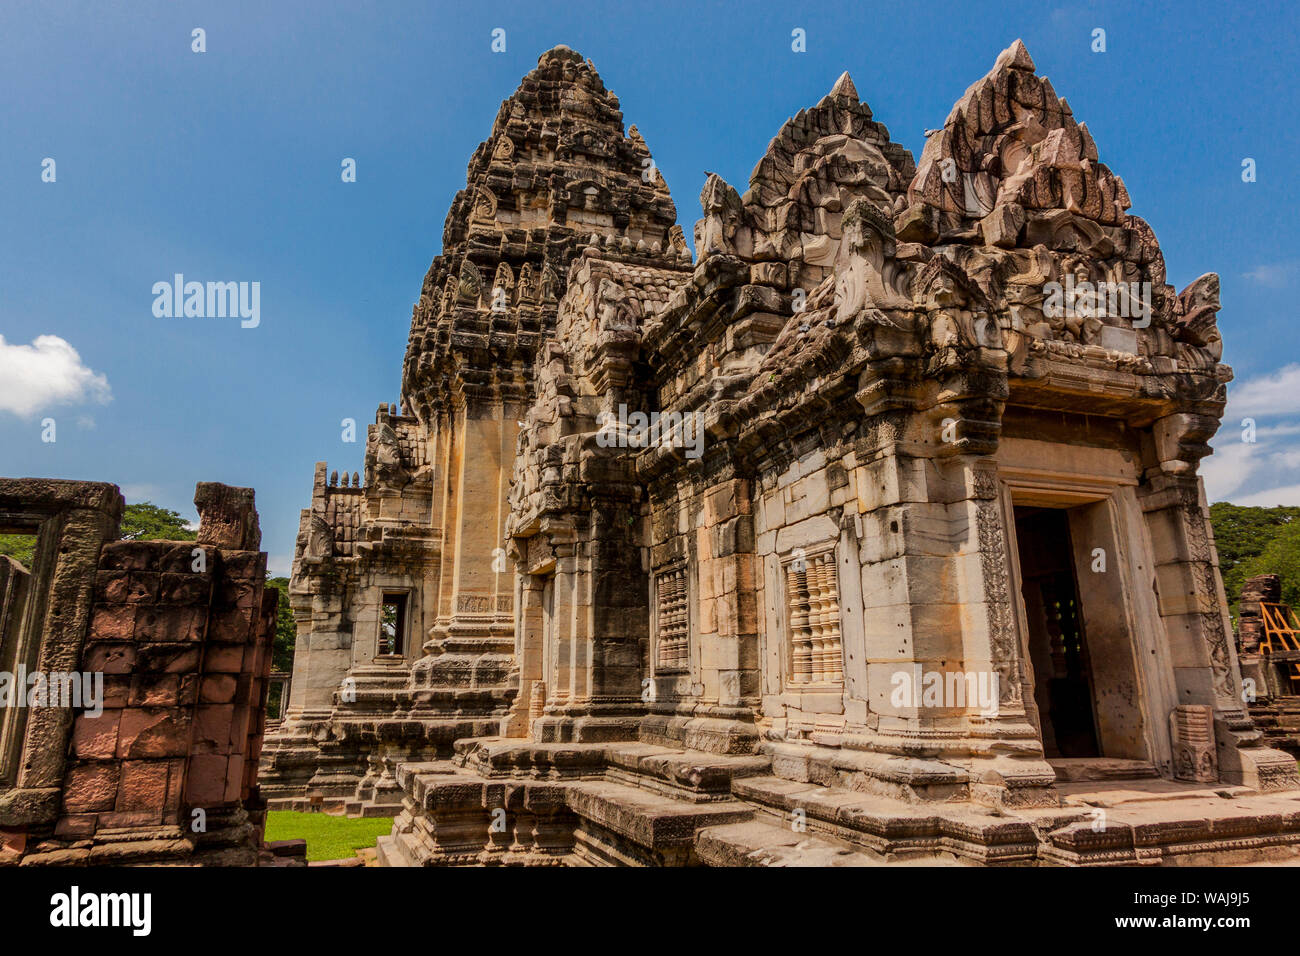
(1058, 648)
(392, 625)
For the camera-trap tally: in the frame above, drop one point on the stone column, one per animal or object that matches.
(529, 649)
(729, 521)
(937, 589)
(1195, 614)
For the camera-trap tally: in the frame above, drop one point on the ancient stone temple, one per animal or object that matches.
(872, 531)
(401, 588)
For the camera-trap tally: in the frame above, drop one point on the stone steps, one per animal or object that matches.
(686, 774)
(1071, 770)
(692, 775)
(648, 819)
(655, 806)
(1226, 826)
(762, 843)
(891, 828)
(390, 851)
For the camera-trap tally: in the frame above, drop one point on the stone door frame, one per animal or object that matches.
(71, 520)
(1133, 556)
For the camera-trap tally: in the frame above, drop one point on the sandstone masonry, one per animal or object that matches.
(553, 637)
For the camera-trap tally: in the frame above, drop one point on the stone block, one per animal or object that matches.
(184, 588)
(96, 737)
(151, 732)
(213, 728)
(205, 779)
(110, 658)
(143, 786)
(113, 623)
(218, 689)
(91, 788)
(155, 690)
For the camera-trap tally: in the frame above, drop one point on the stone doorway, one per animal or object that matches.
(1058, 646)
(1076, 583)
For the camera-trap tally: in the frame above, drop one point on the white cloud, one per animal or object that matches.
(1275, 394)
(46, 373)
(1277, 431)
(1230, 468)
(1286, 495)
(1260, 472)
(1275, 275)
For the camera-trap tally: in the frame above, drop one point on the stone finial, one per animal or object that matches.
(844, 88)
(561, 52)
(723, 212)
(356, 479)
(227, 517)
(1016, 57)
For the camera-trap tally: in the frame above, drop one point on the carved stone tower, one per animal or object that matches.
(403, 597)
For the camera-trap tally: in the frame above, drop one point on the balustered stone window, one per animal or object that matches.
(672, 603)
(812, 594)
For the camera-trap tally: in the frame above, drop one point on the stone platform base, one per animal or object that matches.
(233, 842)
(634, 804)
(345, 764)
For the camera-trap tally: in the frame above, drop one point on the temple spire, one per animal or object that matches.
(844, 88)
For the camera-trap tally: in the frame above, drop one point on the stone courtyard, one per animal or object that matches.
(871, 533)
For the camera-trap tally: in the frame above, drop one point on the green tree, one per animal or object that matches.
(20, 547)
(1243, 535)
(147, 522)
(1280, 556)
(285, 630)
(282, 650)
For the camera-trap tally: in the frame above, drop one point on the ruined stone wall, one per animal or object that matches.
(163, 769)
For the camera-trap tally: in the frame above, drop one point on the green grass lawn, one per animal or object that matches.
(328, 837)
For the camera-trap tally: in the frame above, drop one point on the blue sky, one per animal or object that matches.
(225, 165)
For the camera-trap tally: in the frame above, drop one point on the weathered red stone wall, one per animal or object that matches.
(186, 654)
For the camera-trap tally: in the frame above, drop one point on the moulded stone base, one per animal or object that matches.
(504, 802)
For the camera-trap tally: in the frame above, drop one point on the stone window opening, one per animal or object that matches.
(392, 625)
(815, 655)
(672, 604)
